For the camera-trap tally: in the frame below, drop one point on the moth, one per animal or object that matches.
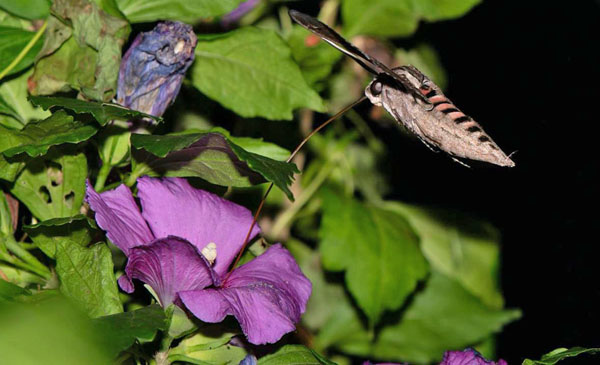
(416, 102)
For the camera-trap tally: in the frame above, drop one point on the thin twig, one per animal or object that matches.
(262, 202)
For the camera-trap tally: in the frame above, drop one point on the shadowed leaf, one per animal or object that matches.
(102, 112)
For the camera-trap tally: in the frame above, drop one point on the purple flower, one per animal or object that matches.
(235, 15)
(467, 357)
(153, 67)
(182, 244)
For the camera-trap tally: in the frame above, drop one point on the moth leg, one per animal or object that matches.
(460, 162)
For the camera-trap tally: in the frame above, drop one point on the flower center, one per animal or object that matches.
(210, 252)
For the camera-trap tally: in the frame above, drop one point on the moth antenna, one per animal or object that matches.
(296, 150)
(512, 153)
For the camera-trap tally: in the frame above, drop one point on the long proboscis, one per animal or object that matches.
(294, 153)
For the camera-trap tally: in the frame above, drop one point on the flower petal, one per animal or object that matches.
(119, 216)
(172, 207)
(467, 357)
(169, 265)
(267, 296)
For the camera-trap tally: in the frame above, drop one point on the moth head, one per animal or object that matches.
(373, 91)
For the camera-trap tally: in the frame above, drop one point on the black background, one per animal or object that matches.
(527, 71)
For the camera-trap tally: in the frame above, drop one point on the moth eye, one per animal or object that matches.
(376, 88)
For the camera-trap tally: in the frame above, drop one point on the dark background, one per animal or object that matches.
(527, 71)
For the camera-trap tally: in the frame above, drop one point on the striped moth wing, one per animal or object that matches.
(438, 123)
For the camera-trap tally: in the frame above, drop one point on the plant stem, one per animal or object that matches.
(102, 176)
(284, 219)
(24, 51)
(30, 263)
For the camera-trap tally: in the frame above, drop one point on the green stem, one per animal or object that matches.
(102, 176)
(30, 262)
(24, 51)
(285, 218)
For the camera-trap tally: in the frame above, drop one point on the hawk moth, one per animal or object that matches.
(416, 102)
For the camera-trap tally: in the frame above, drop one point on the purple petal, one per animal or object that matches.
(169, 265)
(267, 296)
(172, 207)
(467, 357)
(119, 216)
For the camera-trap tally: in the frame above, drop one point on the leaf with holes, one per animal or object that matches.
(102, 112)
(53, 186)
(37, 137)
(87, 277)
(257, 64)
(382, 259)
(210, 156)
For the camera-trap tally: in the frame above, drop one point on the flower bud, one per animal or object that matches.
(154, 66)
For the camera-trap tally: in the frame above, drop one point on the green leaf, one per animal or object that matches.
(208, 346)
(10, 169)
(381, 255)
(122, 329)
(37, 137)
(52, 186)
(293, 354)
(6, 219)
(51, 332)
(210, 156)
(77, 230)
(460, 247)
(12, 42)
(28, 9)
(82, 51)
(257, 64)
(444, 316)
(256, 145)
(114, 145)
(555, 356)
(102, 112)
(316, 61)
(86, 276)
(10, 291)
(14, 93)
(398, 17)
(5, 108)
(189, 11)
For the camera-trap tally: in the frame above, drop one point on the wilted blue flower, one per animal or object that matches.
(238, 12)
(182, 244)
(153, 67)
(467, 357)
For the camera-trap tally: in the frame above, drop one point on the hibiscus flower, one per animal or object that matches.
(182, 243)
